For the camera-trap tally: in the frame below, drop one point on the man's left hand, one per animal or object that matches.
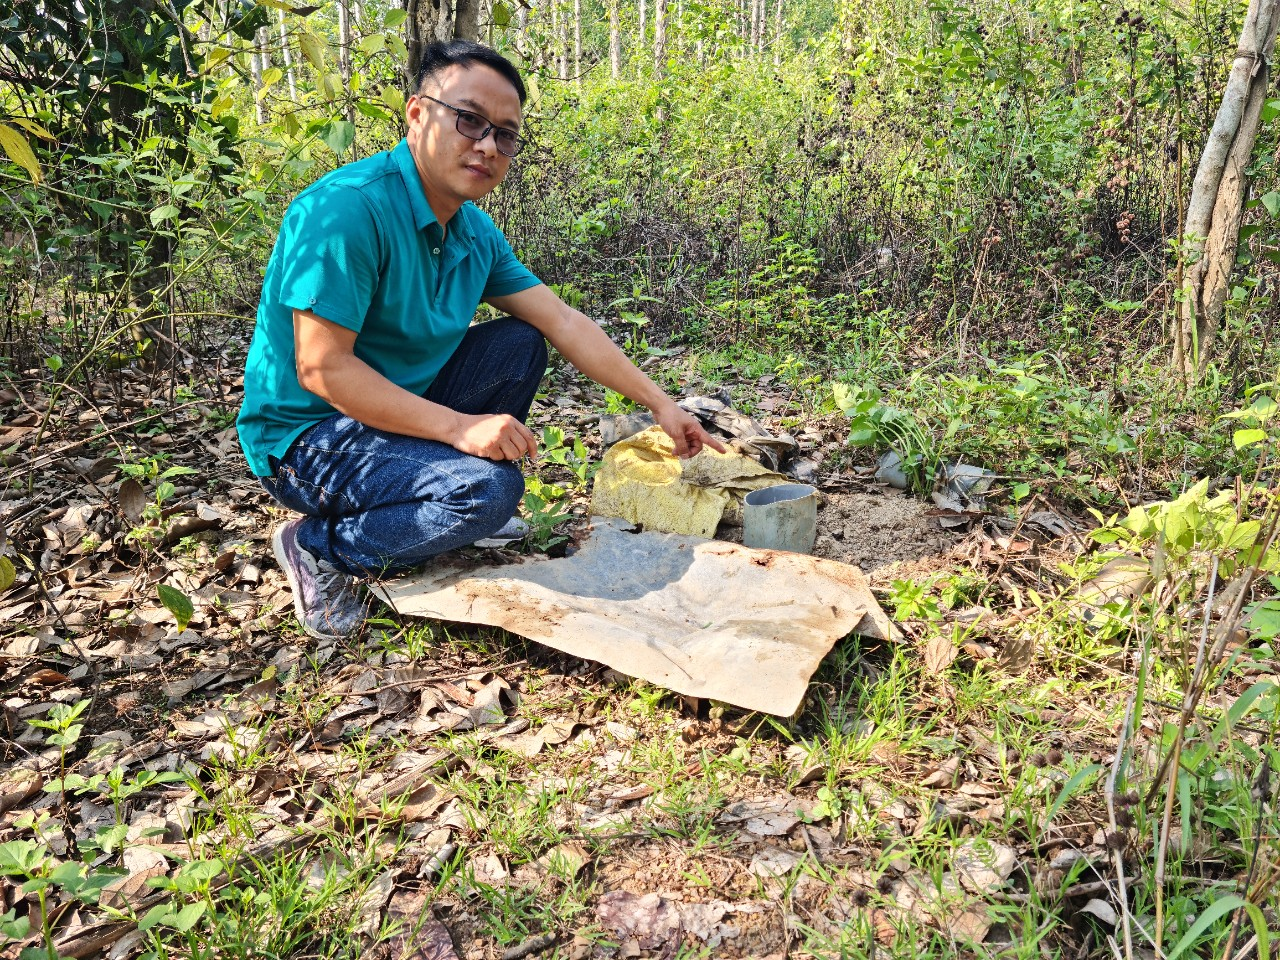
(685, 431)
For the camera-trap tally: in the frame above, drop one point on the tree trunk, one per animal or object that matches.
(777, 34)
(344, 57)
(659, 38)
(1218, 194)
(615, 41)
(466, 24)
(287, 54)
(577, 42)
(255, 72)
(642, 37)
(432, 20)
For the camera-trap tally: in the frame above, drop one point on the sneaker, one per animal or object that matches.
(513, 530)
(324, 598)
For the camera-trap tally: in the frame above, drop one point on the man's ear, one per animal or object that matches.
(413, 109)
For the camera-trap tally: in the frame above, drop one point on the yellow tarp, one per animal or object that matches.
(643, 481)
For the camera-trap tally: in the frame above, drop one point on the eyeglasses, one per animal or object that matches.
(475, 127)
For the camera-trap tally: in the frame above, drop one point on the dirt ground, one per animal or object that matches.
(876, 529)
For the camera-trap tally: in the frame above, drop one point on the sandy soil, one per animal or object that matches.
(873, 530)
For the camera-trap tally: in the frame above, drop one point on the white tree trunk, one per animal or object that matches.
(777, 34)
(642, 34)
(659, 37)
(288, 59)
(344, 55)
(577, 42)
(255, 71)
(615, 41)
(1218, 194)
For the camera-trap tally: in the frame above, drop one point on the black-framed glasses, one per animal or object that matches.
(475, 127)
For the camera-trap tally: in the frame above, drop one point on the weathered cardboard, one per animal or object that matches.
(701, 617)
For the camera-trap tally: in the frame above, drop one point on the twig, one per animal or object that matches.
(1174, 761)
(52, 455)
(531, 946)
(1118, 855)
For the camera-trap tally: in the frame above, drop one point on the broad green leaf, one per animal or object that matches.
(187, 917)
(1264, 621)
(1272, 202)
(160, 214)
(271, 76)
(1247, 438)
(154, 916)
(13, 926)
(396, 46)
(339, 135)
(393, 98)
(1270, 110)
(177, 603)
(373, 43)
(216, 57)
(312, 48)
(394, 18)
(7, 574)
(1242, 536)
(20, 857)
(501, 14)
(18, 150)
(374, 111)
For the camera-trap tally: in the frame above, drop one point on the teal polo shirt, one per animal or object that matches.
(360, 247)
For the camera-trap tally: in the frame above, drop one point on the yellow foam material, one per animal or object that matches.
(643, 481)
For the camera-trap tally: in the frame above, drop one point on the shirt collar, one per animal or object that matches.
(423, 215)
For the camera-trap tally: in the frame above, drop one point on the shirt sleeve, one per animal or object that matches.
(333, 245)
(507, 275)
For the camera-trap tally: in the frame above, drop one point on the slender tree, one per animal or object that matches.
(577, 42)
(615, 41)
(287, 55)
(659, 37)
(777, 33)
(642, 37)
(344, 55)
(255, 73)
(1218, 194)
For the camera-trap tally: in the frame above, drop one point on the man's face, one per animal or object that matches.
(455, 169)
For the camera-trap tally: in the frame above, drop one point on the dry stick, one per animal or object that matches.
(1118, 855)
(1175, 756)
(52, 455)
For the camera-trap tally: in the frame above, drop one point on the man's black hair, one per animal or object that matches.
(440, 56)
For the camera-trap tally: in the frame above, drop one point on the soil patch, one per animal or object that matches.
(874, 530)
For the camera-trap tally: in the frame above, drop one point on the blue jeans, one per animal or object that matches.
(377, 502)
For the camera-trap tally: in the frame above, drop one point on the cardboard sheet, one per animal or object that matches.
(701, 617)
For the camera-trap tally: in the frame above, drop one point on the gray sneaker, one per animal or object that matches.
(513, 530)
(324, 597)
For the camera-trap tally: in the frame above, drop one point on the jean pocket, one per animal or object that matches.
(304, 496)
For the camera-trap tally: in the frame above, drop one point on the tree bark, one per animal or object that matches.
(1211, 233)
(642, 36)
(255, 73)
(432, 20)
(344, 56)
(287, 55)
(615, 41)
